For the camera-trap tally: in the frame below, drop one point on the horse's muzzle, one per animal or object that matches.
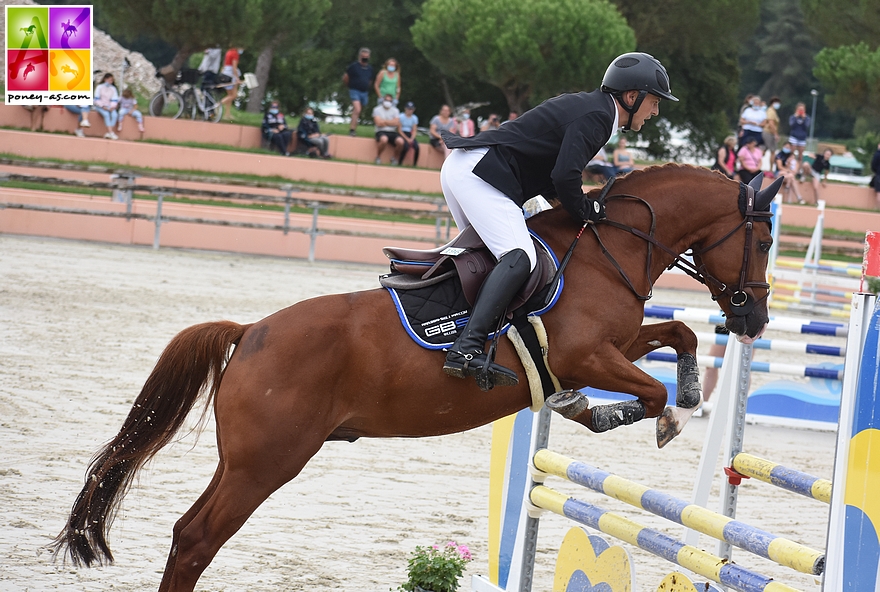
(750, 327)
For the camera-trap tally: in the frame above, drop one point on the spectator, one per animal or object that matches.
(798, 130)
(466, 124)
(875, 180)
(725, 158)
(82, 114)
(787, 166)
(106, 101)
(388, 80)
(37, 112)
(622, 158)
(357, 78)
(749, 159)
(230, 69)
(771, 126)
(408, 128)
(512, 115)
(818, 170)
(128, 106)
(599, 165)
(386, 117)
(752, 121)
(275, 129)
(494, 122)
(442, 121)
(309, 133)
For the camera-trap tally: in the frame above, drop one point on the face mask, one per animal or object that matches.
(392, 68)
(309, 116)
(365, 60)
(786, 150)
(387, 104)
(240, 51)
(466, 116)
(273, 111)
(777, 105)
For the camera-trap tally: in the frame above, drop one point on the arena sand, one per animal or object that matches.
(82, 325)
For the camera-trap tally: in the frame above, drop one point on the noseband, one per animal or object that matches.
(741, 302)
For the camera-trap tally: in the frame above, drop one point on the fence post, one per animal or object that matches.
(159, 199)
(122, 190)
(289, 190)
(313, 231)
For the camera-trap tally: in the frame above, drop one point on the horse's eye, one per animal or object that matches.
(764, 246)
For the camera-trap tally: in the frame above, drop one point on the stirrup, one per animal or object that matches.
(474, 364)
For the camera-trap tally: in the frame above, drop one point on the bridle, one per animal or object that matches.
(741, 302)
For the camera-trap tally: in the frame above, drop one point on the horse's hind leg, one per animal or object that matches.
(689, 395)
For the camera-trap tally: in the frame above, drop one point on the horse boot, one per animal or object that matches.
(466, 356)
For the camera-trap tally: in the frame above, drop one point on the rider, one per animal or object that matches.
(488, 177)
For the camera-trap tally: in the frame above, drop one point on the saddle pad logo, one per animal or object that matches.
(445, 326)
(49, 55)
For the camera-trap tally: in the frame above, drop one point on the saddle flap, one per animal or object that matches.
(466, 239)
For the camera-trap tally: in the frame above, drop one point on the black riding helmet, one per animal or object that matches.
(636, 71)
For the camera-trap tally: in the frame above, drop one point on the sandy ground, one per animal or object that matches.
(82, 325)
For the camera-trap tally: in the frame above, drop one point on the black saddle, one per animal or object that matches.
(467, 257)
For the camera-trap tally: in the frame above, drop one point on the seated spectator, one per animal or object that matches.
(623, 158)
(466, 124)
(494, 122)
(786, 166)
(442, 121)
(309, 133)
(408, 128)
(818, 171)
(749, 159)
(275, 129)
(83, 114)
(37, 112)
(106, 101)
(725, 159)
(875, 180)
(752, 120)
(599, 165)
(128, 106)
(386, 118)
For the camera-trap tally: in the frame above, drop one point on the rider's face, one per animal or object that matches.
(648, 109)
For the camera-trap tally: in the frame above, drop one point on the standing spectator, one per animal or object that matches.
(749, 158)
(622, 158)
(275, 129)
(386, 117)
(599, 165)
(408, 128)
(106, 101)
(82, 114)
(466, 124)
(128, 106)
(818, 170)
(798, 130)
(725, 158)
(771, 126)
(358, 77)
(752, 121)
(442, 121)
(309, 133)
(875, 180)
(388, 80)
(230, 69)
(494, 122)
(786, 166)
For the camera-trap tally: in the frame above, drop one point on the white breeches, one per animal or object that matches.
(473, 202)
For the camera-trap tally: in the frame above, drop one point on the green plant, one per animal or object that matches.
(436, 568)
(873, 284)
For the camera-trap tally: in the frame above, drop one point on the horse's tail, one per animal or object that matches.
(195, 357)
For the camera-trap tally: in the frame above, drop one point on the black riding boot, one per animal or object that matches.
(466, 356)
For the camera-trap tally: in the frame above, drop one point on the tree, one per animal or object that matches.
(529, 49)
(187, 25)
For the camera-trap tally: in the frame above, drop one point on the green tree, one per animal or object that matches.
(529, 49)
(187, 25)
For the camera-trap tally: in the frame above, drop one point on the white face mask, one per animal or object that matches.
(387, 104)
(466, 116)
(777, 105)
(392, 68)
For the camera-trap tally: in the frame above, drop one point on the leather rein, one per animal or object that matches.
(740, 301)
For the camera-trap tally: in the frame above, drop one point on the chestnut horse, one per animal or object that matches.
(342, 367)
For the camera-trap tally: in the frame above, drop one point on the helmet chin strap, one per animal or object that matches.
(631, 110)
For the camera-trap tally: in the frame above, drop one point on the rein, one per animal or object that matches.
(741, 302)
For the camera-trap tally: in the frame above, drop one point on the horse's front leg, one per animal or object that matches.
(689, 394)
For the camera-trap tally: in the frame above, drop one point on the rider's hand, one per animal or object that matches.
(590, 210)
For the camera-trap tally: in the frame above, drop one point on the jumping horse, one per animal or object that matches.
(341, 367)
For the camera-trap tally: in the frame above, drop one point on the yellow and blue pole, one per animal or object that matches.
(783, 477)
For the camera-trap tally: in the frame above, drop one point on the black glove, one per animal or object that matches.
(590, 210)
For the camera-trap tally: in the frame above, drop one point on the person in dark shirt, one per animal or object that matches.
(875, 180)
(275, 129)
(487, 178)
(818, 170)
(786, 166)
(358, 78)
(309, 133)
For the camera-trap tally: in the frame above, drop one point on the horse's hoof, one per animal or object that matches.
(667, 427)
(569, 404)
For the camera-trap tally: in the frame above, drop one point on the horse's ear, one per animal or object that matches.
(755, 183)
(764, 197)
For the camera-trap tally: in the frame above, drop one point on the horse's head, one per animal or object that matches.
(734, 261)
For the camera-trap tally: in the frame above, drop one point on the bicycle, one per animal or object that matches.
(201, 102)
(167, 102)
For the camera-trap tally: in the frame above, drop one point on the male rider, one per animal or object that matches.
(487, 178)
